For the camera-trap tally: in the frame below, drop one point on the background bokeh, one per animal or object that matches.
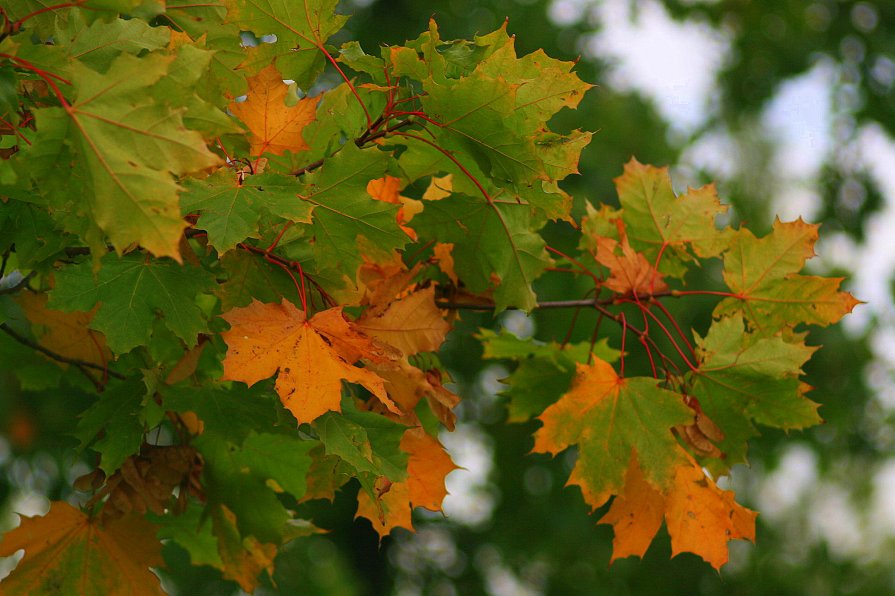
(789, 105)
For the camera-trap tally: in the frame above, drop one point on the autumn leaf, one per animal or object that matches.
(610, 419)
(275, 127)
(427, 467)
(629, 272)
(387, 189)
(121, 146)
(311, 356)
(701, 518)
(412, 324)
(67, 552)
(763, 274)
(744, 378)
(242, 559)
(66, 333)
(660, 223)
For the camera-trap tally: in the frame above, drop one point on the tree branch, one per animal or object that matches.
(81, 365)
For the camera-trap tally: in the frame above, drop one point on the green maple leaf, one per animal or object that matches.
(612, 419)
(98, 44)
(367, 441)
(278, 457)
(132, 291)
(493, 241)
(191, 531)
(232, 206)
(743, 378)
(119, 412)
(248, 278)
(345, 213)
(119, 149)
(659, 222)
(229, 412)
(545, 85)
(477, 120)
(763, 272)
(301, 28)
(229, 482)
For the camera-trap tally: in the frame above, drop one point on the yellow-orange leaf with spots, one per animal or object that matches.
(67, 552)
(66, 333)
(311, 357)
(274, 127)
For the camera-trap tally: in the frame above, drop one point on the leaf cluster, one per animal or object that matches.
(217, 242)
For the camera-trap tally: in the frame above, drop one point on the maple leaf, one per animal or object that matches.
(311, 356)
(489, 241)
(301, 28)
(629, 273)
(387, 189)
(67, 552)
(412, 324)
(701, 518)
(427, 466)
(345, 214)
(743, 377)
(242, 559)
(609, 418)
(232, 205)
(545, 370)
(66, 334)
(121, 146)
(658, 222)
(131, 291)
(763, 273)
(274, 126)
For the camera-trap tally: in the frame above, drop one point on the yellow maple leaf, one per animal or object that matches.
(67, 552)
(275, 127)
(311, 357)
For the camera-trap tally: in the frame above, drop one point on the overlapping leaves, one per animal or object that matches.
(154, 210)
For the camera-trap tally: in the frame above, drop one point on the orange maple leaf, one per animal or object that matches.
(274, 126)
(427, 466)
(66, 333)
(387, 189)
(111, 558)
(412, 324)
(701, 518)
(629, 272)
(312, 356)
(443, 252)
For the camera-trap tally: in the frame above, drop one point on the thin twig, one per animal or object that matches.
(81, 365)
